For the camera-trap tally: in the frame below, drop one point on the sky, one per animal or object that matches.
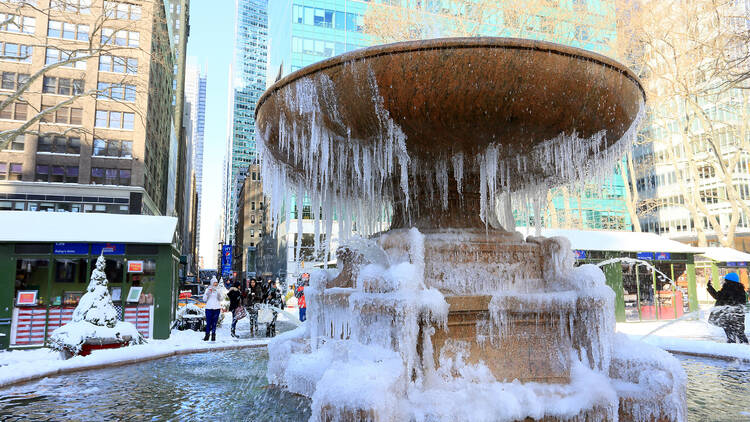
(210, 43)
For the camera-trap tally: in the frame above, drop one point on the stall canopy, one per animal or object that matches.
(593, 240)
(727, 255)
(32, 226)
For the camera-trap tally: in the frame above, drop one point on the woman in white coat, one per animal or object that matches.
(212, 297)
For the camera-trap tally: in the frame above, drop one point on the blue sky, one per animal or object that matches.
(210, 42)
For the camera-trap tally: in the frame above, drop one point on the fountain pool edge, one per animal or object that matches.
(99, 364)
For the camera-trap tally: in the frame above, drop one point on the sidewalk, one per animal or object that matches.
(689, 336)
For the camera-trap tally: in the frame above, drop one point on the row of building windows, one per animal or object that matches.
(11, 171)
(17, 23)
(121, 38)
(13, 80)
(125, 11)
(60, 144)
(319, 47)
(114, 119)
(63, 115)
(62, 86)
(62, 206)
(68, 31)
(115, 91)
(16, 52)
(327, 18)
(66, 174)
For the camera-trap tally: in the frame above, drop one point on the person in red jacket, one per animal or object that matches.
(300, 294)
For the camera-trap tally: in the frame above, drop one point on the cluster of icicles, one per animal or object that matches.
(359, 179)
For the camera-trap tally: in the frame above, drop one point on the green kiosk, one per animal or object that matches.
(653, 277)
(46, 260)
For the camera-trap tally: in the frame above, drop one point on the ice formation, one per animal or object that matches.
(312, 154)
(94, 319)
(367, 353)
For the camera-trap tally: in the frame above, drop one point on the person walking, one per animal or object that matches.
(213, 308)
(273, 298)
(253, 296)
(300, 294)
(729, 313)
(235, 306)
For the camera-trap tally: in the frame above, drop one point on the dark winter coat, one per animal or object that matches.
(273, 297)
(730, 294)
(235, 296)
(253, 295)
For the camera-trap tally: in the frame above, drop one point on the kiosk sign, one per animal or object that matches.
(135, 266)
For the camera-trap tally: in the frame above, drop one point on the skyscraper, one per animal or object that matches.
(195, 101)
(247, 83)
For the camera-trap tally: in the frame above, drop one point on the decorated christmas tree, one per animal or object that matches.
(94, 319)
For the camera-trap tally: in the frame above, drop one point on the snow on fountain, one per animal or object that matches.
(446, 316)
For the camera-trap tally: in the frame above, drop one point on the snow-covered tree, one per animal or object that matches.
(94, 319)
(96, 305)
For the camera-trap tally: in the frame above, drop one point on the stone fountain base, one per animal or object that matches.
(515, 307)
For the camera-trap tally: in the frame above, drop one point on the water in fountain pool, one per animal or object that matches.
(717, 390)
(228, 385)
(231, 385)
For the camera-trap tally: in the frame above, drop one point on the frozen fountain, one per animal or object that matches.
(447, 315)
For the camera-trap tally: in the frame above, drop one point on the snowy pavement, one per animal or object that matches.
(25, 365)
(691, 336)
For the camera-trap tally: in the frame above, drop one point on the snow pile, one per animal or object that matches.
(94, 319)
(650, 380)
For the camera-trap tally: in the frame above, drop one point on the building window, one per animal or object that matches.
(125, 11)
(252, 219)
(13, 81)
(115, 119)
(63, 115)
(17, 23)
(105, 176)
(116, 91)
(17, 143)
(56, 174)
(59, 144)
(252, 206)
(12, 171)
(74, 6)
(121, 38)
(113, 148)
(15, 111)
(62, 86)
(16, 52)
(115, 64)
(68, 31)
(53, 55)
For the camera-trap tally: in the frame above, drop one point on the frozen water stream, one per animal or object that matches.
(231, 385)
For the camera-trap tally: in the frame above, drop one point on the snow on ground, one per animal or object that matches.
(692, 335)
(20, 365)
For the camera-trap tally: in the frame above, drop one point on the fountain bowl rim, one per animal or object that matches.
(447, 44)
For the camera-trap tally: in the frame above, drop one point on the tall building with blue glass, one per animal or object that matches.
(247, 83)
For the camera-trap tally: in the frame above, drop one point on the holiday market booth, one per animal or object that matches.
(653, 277)
(46, 260)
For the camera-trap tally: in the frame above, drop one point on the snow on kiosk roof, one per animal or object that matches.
(32, 226)
(725, 254)
(595, 240)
